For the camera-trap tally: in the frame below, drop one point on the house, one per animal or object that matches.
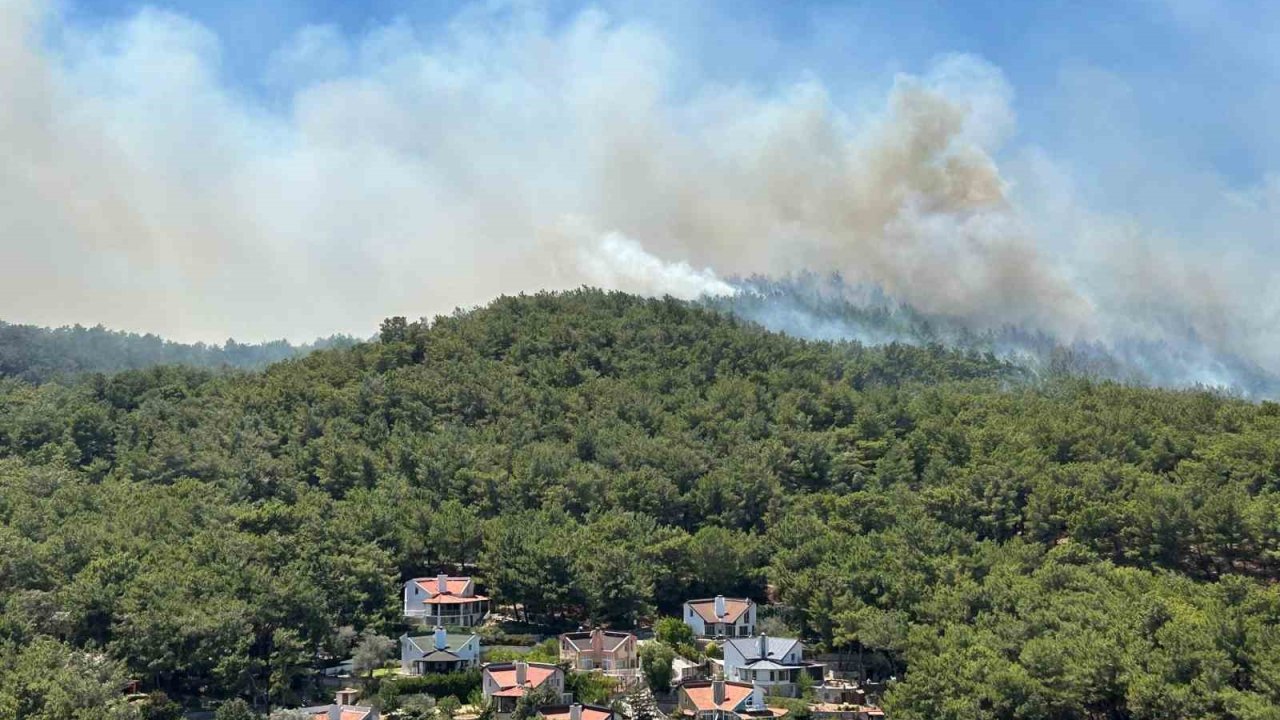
(575, 711)
(724, 700)
(608, 651)
(505, 683)
(343, 708)
(439, 652)
(444, 601)
(720, 617)
(774, 663)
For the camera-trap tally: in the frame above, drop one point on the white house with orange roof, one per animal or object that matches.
(503, 684)
(445, 601)
(724, 700)
(721, 617)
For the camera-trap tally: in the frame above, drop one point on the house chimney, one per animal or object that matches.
(717, 691)
(442, 583)
(442, 638)
(346, 696)
(757, 696)
(597, 642)
(720, 608)
(522, 672)
(764, 646)
(575, 711)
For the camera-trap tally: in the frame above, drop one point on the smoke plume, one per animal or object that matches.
(400, 173)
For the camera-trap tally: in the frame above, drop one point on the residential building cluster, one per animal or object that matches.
(754, 666)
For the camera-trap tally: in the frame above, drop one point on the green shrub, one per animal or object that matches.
(439, 686)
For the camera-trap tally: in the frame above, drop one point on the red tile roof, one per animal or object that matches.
(453, 599)
(454, 587)
(510, 692)
(346, 715)
(505, 677)
(702, 695)
(733, 609)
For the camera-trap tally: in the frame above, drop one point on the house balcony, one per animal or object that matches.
(451, 615)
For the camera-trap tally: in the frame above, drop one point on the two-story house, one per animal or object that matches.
(724, 700)
(607, 651)
(775, 664)
(439, 652)
(503, 684)
(721, 617)
(445, 601)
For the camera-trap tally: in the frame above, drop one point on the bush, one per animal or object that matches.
(590, 687)
(236, 709)
(493, 635)
(547, 651)
(459, 685)
(673, 632)
(655, 663)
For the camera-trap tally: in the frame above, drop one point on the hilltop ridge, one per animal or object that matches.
(1061, 548)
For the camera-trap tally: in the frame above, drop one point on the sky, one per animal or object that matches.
(258, 170)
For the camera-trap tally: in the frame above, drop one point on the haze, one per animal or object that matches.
(203, 171)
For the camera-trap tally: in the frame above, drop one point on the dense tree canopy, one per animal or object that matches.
(38, 354)
(1005, 548)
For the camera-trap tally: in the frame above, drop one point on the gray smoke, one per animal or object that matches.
(826, 308)
(410, 174)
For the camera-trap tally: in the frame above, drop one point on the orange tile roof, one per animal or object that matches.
(454, 587)
(506, 677)
(453, 599)
(346, 715)
(733, 609)
(703, 696)
(510, 692)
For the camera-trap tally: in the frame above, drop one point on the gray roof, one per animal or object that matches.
(582, 640)
(453, 643)
(770, 665)
(440, 656)
(777, 648)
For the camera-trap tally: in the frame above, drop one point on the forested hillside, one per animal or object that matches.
(1007, 549)
(38, 354)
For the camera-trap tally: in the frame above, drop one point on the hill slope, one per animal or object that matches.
(39, 354)
(1011, 550)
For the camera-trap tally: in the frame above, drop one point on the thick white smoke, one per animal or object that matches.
(406, 174)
